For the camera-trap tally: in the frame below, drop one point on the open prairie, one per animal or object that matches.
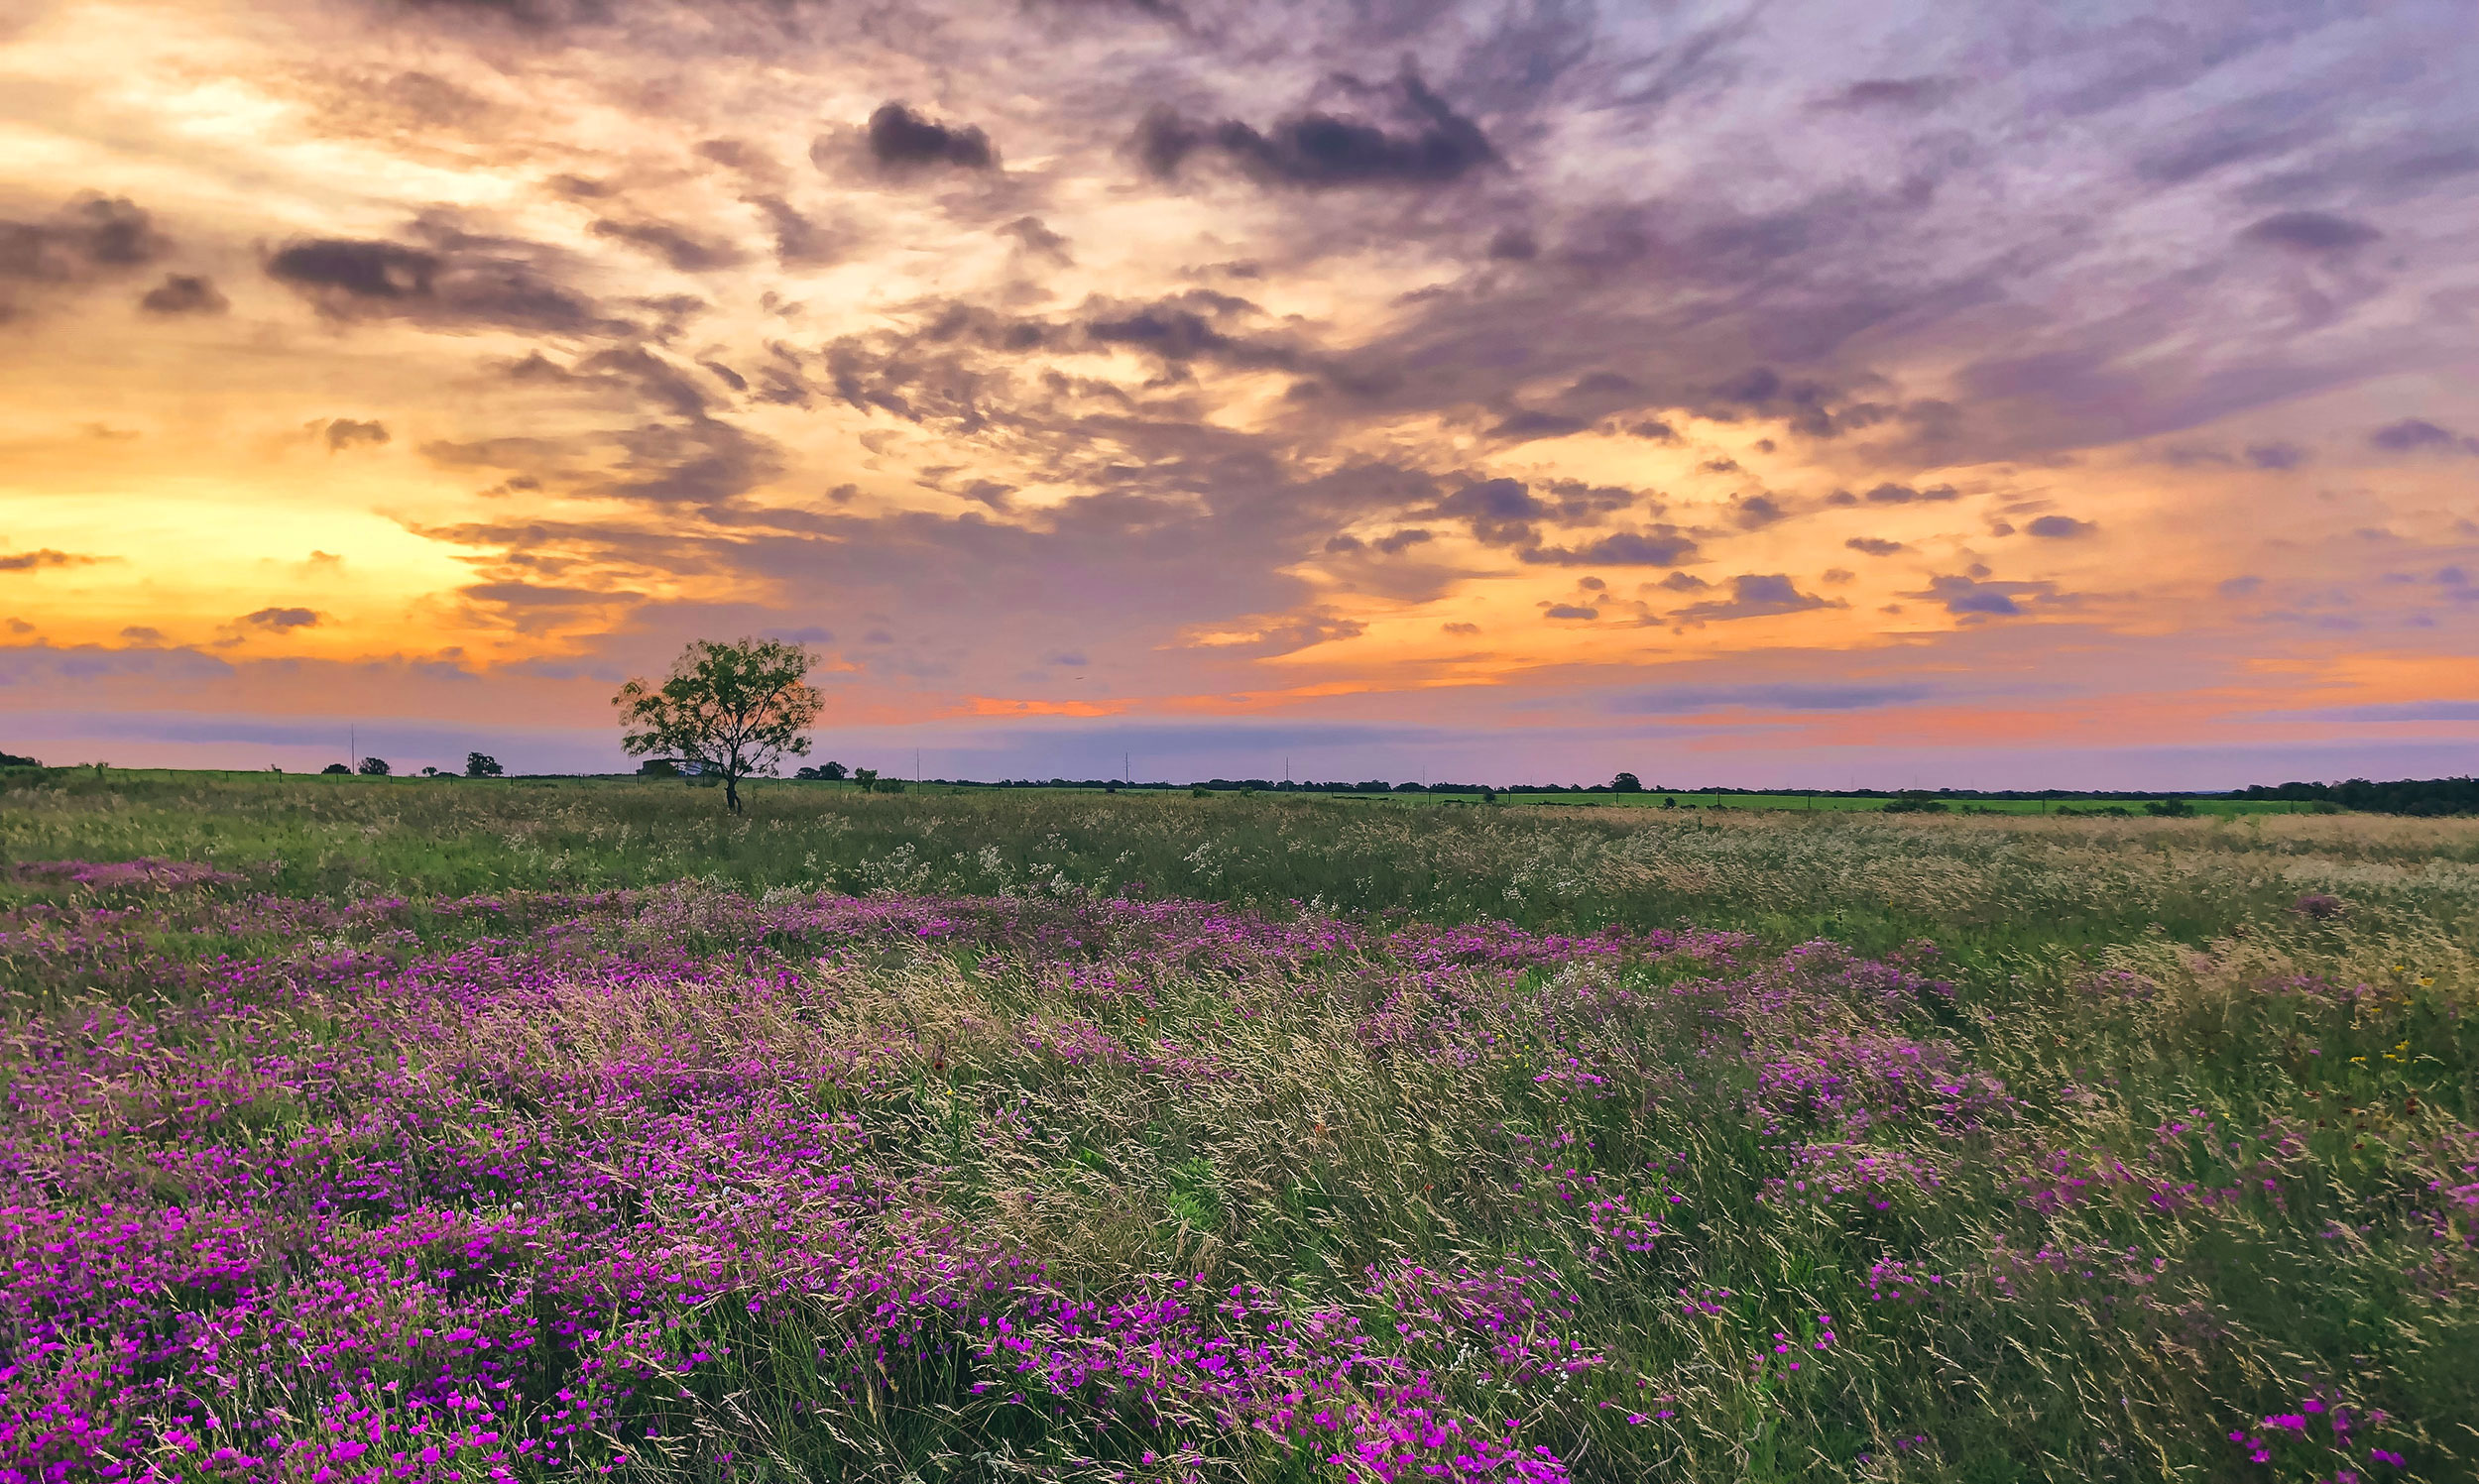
(411, 1130)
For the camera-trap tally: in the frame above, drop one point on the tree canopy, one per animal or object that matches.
(735, 709)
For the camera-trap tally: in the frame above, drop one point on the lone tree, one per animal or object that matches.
(481, 765)
(734, 709)
(374, 768)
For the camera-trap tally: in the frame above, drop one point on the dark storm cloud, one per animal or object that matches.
(2311, 232)
(182, 293)
(445, 278)
(901, 139)
(1428, 143)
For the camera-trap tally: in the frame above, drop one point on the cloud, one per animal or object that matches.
(1753, 596)
(670, 450)
(1500, 512)
(1894, 494)
(2276, 455)
(1191, 327)
(2060, 528)
(1513, 244)
(277, 620)
(2413, 434)
(1537, 424)
(1429, 145)
(1554, 261)
(1039, 240)
(92, 237)
(182, 293)
(1757, 511)
(1970, 596)
(31, 561)
(1892, 95)
(1875, 546)
(1462, 630)
(799, 242)
(1662, 546)
(447, 279)
(686, 254)
(2391, 710)
(2311, 232)
(344, 432)
(1570, 611)
(902, 140)
(140, 634)
(92, 234)
(1681, 700)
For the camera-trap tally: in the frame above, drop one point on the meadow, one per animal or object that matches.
(390, 1131)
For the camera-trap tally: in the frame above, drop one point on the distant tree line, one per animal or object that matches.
(2416, 796)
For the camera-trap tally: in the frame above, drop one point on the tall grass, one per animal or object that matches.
(2156, 1163)
(1985, 884)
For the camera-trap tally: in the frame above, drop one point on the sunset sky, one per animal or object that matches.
(1800, 394)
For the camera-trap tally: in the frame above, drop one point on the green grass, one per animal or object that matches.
(2118, 977)
(1990, 884)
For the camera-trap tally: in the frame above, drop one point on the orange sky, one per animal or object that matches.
(1751, 395)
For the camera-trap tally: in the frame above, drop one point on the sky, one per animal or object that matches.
(1791, 394)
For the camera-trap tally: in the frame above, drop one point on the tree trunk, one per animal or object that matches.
(731, 792)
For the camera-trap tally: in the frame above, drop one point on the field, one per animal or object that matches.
(515, 1130)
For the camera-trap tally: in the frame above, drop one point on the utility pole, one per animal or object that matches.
(353, 744)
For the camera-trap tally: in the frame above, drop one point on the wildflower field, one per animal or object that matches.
(476, 1131)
